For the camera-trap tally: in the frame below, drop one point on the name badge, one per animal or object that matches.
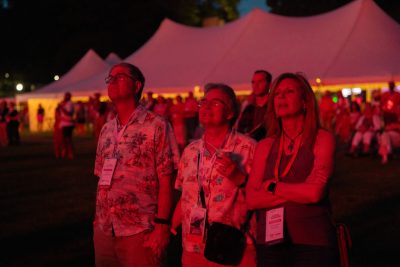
(274, 226)
(197, 225)
(107, 171)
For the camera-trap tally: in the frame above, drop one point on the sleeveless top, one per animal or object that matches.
(308, 224)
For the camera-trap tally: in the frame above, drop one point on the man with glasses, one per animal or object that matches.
(135, 165)
(251, 120)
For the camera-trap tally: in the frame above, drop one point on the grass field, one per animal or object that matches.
(47, 205)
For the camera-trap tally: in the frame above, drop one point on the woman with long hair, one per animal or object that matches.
(289, 180)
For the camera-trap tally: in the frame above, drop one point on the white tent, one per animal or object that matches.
(355, 44)
(352, 45)
(90, 64)
(50, 95)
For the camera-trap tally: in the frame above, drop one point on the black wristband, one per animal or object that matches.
(161, 221)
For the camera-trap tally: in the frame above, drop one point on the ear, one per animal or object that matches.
(138, 85)
(230, 115)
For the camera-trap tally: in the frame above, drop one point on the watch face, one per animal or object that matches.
(271, 187)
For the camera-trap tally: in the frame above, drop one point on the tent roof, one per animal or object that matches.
(112, 59)
(357, 43)
(90, 64)
(353, 44)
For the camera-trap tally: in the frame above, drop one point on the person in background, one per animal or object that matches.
(67, 125)
(100, 118)
(191, 113)
(135, 166)
(80, 118)
(219, 162)
(3, 123)
(57, 133)
(389, 139)
(161, 107)
(390, 100)
(12, 119)
(251, 119)
(327, 109)
(150, 101)
(178, 122)
(93, 106)
(40, 117)
(290, 178)
(366, 130)
(23, 115)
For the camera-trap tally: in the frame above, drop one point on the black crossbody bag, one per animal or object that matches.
(224, 244)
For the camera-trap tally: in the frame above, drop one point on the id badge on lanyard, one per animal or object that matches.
(274, 226)
(107, 171)
(110, 164)
(274, 218)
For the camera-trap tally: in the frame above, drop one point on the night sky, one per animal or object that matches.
(47, 37)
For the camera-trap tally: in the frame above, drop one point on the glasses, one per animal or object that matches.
(120, 77)
(215, 103)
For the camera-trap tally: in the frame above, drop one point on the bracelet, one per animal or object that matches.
(161, 221)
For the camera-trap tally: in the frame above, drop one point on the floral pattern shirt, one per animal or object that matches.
(143, 153)
(224, 200)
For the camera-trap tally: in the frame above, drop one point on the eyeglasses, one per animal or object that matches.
(211, 103)
(120, 77)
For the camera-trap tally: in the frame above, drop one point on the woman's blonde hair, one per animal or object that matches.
(310, 112)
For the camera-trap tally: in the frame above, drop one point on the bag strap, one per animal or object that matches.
(201, 191)
(245, 226)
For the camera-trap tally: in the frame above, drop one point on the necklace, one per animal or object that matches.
(218, 149)
(291, 143)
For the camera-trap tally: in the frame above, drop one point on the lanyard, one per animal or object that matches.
(278, 160)
(202, 170)
(119, 134)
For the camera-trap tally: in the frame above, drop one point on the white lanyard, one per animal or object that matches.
(119, 134)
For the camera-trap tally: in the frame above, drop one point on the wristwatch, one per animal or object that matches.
(271, 187)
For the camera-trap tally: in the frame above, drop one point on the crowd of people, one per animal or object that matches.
(367, 128)
(271, 175)
(265, 163)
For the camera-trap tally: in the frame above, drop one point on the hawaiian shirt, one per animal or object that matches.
(225, 201)
(143, 153)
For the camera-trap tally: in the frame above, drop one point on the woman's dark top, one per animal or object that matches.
(308, 224)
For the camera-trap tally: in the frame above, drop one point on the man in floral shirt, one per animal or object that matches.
(135, 164)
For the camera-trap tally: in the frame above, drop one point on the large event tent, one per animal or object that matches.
(50, 95)
(356, 45)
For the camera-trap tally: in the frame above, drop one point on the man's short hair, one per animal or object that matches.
(268, 75)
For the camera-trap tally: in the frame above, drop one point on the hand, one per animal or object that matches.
(228, 167)
(225, 165)
(158, 241)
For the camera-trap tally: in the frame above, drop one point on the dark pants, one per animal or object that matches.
(13, 133)
(290, 255)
